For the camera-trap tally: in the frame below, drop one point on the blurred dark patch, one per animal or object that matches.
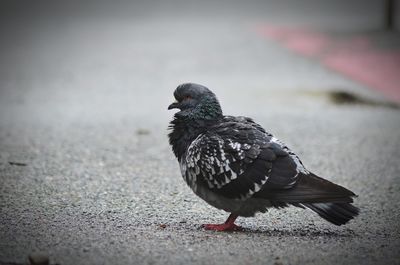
(341, 97)
(142, 131)
(17, 164)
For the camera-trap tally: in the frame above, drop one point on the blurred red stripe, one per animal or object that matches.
(354, 56)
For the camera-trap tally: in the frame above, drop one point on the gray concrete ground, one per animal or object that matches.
(86, 172)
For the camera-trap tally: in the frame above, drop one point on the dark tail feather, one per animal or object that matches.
(330, 201)
(336, 213)
(310, 189)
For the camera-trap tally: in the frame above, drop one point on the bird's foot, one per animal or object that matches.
(222, 227)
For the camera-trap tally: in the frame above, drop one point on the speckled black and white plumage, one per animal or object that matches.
(235, 165)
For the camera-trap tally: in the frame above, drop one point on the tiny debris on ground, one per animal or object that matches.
(39, 259)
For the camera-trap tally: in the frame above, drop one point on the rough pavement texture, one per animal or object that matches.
(86, 172)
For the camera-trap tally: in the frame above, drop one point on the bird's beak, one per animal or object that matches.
(174, 105)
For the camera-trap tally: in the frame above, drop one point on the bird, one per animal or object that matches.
(235, 165)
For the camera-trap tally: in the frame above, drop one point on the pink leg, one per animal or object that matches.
(229, 225)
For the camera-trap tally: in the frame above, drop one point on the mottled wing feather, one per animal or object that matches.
(246, 120)
(236, 159)
(208, 160)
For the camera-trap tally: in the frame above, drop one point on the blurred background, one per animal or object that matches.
(82, 58)
(87, 176)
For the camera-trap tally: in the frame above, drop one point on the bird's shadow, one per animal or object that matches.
(308, 231)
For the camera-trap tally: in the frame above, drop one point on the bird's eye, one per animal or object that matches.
(187, 97)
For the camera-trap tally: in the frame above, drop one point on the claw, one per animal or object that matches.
(222, 227)
(229, 225)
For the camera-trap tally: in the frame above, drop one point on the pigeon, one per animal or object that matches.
(235, 165)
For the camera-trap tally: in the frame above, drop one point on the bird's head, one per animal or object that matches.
(196, 101)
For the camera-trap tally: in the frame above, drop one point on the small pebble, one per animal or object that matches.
(38, 259)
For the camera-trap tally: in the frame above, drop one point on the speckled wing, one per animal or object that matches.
(237, 159)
